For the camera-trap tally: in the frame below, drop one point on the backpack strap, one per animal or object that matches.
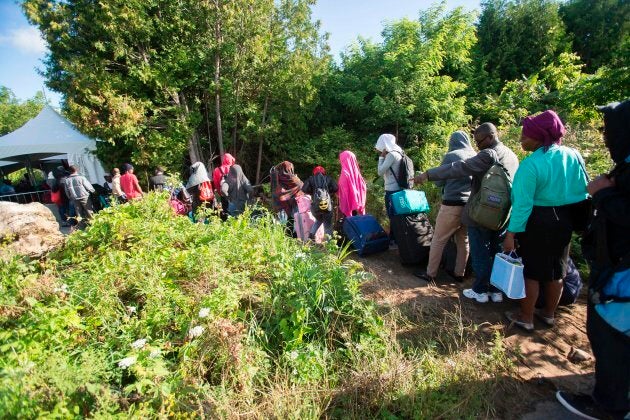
(402, 155)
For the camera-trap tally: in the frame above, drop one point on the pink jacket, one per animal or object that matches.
(352, 188)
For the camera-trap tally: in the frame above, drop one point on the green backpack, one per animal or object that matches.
(492, 204)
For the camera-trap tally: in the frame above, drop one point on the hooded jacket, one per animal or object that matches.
(236, 187)
(389, 163)
(456, 191)
(477, 166)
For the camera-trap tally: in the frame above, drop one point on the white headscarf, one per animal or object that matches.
(198, 174)
(387, 142)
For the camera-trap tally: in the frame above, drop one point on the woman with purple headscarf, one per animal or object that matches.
(545, 186)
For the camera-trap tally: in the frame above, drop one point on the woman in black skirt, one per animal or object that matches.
(547, 185)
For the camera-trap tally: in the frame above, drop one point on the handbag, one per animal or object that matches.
(55, 197)
(409, 202)
(507, 275)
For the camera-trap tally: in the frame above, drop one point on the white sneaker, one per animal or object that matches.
(479, 297)
(496, 297)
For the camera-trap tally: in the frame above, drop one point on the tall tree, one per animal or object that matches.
(517, 38)
(597, 28)
(14, 113)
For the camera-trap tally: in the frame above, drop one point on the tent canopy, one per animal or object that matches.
(48, 135)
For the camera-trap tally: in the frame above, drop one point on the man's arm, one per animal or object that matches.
(478, 164)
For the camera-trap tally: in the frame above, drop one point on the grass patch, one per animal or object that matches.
(146, 314)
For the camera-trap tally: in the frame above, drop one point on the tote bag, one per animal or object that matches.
(507, 275)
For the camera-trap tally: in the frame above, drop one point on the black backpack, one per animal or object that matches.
(404, 178)
(321, 197)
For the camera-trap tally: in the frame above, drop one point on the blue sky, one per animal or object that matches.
(22, 49)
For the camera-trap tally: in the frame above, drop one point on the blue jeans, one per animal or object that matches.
(484, 244)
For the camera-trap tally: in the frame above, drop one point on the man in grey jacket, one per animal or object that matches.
(78, 190)
(484, 243)
(455, 193)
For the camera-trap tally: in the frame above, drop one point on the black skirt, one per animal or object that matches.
(544, 246)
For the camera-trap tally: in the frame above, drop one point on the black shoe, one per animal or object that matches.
(422, 275)
(458, 279)
(581, 405)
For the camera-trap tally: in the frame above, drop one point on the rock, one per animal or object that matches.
(29, 229)
(577, 356)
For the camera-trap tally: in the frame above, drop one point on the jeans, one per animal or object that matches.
(83, 207)
(389, 208)
(611, 349)
(484, 244)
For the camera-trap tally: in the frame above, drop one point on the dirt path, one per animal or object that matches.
(541, 357)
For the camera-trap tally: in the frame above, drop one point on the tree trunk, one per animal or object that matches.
(194, 149)
(217, 78)
(262, 139)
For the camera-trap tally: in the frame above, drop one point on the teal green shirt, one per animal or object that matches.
(552, 178)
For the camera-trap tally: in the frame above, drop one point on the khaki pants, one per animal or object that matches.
(447, 224)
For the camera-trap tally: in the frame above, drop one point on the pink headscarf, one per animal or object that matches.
(352, 188)
(545, 127)
(226, 163)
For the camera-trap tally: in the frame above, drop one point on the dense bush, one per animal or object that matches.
(147, 314)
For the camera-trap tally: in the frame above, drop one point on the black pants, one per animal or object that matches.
(611, 349)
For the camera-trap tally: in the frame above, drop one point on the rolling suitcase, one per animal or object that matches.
(366, 234)
(413, 234)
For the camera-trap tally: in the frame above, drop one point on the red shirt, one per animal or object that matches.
(130, 186)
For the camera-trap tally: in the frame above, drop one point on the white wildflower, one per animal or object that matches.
(155, 353)
(126, 362)
(204, 312)
(196, 331)
(131, 309)
(300, 255)
(328, 309)
(63, 289)
(138, 344)
(451, 363)
(293, 355)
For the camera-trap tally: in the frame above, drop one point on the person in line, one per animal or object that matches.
(129, 183)
(389, 160)
(117, 191)
(64, 204)
(484, 243)
(321, 187)
(198, 176)
(6, 187)
(455, 193)
(78, 190)
(158, 181)
(237, 189)
(285, 187)
(607, 249)
(545, 186)
(217, 176)
(352, 188)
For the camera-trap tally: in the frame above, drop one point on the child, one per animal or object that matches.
(321, 187)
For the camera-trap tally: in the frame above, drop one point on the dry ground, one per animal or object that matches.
(541, 358)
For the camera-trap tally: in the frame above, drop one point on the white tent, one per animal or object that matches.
(49, 135)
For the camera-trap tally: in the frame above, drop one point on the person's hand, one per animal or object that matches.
(421, 179)
(600, 183)
(509, 244)
(384, 153)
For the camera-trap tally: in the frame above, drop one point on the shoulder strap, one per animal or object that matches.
(402, 154)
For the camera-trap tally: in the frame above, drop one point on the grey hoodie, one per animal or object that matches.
(455, 192)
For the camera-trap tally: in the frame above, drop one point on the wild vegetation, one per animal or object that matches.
(147, 314)
(164, 83)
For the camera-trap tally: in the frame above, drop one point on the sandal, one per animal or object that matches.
(549, 321)
(527, 326)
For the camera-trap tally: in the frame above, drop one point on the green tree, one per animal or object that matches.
(517, 38)
(13, 113)
(597, 29)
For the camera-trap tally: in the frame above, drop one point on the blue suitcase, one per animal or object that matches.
(366, 234)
